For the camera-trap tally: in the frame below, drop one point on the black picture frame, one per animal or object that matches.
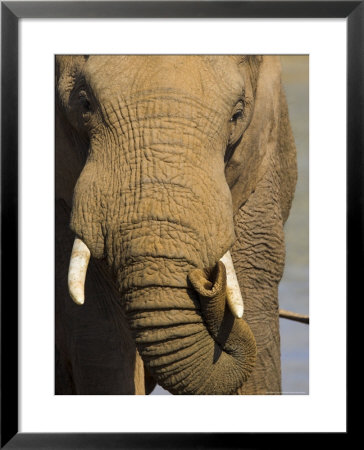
(11, 12)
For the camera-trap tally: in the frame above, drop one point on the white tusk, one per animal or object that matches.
(77, 271)
(233, 294)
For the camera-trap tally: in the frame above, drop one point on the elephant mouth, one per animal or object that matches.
(80, 258)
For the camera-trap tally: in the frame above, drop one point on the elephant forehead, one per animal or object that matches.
(203, 77)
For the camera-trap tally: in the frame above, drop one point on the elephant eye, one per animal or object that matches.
(237, 115)
(238, 111)
(85, 105)
(236, 125)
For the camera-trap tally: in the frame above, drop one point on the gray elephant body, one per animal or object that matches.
(150, 142)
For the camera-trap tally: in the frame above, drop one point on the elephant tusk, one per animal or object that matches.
(77, 271)
(233, 293)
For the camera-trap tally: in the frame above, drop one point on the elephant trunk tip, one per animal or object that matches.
(211, 280)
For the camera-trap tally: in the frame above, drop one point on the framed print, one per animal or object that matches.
(83, 80)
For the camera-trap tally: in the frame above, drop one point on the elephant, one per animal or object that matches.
(167, 168)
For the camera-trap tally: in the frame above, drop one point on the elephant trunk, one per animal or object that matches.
(189, 339)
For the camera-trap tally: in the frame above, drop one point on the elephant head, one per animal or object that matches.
(176, 148)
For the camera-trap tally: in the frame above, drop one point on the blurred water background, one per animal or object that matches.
(293, 289)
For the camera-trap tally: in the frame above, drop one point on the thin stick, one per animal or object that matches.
(293, 316)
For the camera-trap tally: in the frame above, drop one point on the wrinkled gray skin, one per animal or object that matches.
(163, 163)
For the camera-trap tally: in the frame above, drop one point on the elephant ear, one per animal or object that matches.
(70, 149)
(267, 141)
(262, 176)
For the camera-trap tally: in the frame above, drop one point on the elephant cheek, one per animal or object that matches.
(88, 212)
